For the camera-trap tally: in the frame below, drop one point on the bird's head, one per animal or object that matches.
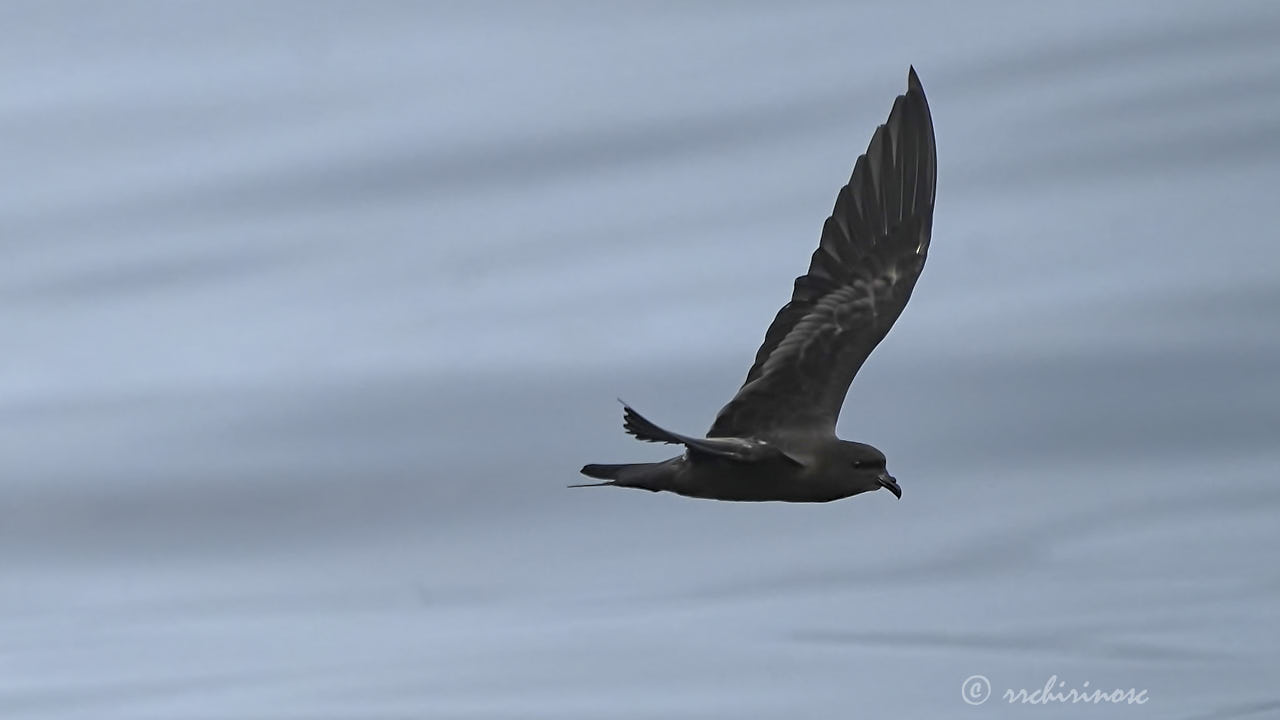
(868, 464)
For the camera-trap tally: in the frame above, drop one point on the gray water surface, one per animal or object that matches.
(312, 309)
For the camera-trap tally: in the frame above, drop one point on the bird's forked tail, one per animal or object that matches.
(653, 476)
(603, 472)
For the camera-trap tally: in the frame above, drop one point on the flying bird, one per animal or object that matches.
(776, 439)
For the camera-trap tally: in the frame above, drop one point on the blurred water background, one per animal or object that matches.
(310, 311)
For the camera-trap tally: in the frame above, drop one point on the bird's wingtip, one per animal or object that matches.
(913, 80)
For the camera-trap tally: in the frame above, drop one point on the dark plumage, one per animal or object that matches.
(775, 440)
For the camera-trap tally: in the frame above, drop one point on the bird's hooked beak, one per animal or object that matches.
(887, 482)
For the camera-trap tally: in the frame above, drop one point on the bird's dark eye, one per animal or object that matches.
(871, 464)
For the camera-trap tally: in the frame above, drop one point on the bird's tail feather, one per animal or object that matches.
(643, 476)
(604, 472)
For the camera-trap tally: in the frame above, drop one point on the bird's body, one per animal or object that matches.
(711, 478)
(775, 440)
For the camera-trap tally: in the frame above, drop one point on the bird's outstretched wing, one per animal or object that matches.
(739, 449)
(872, 251)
